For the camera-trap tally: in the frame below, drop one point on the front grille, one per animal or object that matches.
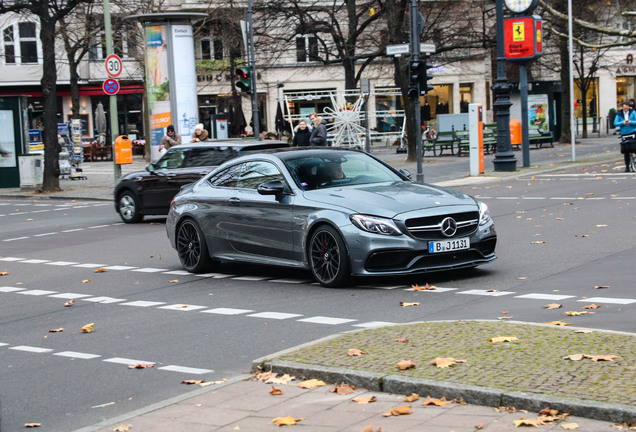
(430, 227)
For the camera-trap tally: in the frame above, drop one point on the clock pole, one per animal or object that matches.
(504, 157)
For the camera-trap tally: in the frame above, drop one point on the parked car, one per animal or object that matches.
(149, 192)
(339, 213)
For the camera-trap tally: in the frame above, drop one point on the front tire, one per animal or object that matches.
(129, 207)
(328, 258)
(191, 248)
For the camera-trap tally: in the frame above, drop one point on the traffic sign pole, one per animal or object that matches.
(112, 100)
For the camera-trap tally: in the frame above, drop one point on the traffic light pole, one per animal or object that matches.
(415, 55)
(252, 61)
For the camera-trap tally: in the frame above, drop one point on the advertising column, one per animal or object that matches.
(184, 89)
(158, 85)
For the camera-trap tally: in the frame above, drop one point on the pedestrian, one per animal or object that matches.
(301, 134)
(170, 140)
(319, 132)
(200, 134)
(626, 120)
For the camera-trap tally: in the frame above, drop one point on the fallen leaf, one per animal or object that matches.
(86, 281)
(32, 425)
(174, 281)
(57, 330)
(538, 242)
(343, 389)
(553, 306)
(406, 304)
(355, 352)
(492, 290)
(558, 323)
(574, 357)
(312, 383)
(426, 287)
(369, 428)
(581, 235)
(4, 273)
(141, 366)
(266, 376)
(275, 392)
(100, 270)
(598, 358)
(122, 428)
(286, 421)
(442, 363)
(583, 331)
(402, 340)
(504, 317)
(570, 426)
(601, 225)
(574, 313)
(522, 278)
(528, 422)
(592, 306)
(601, 286)
(436, 402)
(503, 339)
(364, 400)
(397, 411)
(505, 312)
(282, 380)
(88, 328)
(405, 364)
(190, 382)
(69, 303)
(479, 426)
(412, 398)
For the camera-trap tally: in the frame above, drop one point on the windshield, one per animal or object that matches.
(335, 169)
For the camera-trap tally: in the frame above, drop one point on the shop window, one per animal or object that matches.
(20, 43)
(306, 48)
(465, 96)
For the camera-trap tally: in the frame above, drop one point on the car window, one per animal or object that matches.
(171, 160)
(226, 178)
(198, 157)
(252, 174)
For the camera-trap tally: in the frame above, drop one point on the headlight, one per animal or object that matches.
(375, 225)
(484, 214)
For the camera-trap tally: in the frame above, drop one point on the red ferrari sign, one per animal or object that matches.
(522, 38)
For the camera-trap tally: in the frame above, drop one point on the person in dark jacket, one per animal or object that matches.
(301, 134)
(319, 132)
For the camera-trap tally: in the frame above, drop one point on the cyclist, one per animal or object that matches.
(626, 120)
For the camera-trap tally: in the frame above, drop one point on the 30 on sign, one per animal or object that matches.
(113, 65)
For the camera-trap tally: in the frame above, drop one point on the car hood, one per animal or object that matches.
(389, 199)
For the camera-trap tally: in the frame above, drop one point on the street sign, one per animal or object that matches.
(111, 86)
(113, 65)
(425, 48)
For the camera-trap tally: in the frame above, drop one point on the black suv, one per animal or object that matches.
(149, 192)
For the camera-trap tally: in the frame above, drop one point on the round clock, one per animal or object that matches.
(521, 6)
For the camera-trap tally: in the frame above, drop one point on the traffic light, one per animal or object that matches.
(418, 78)
(244, 77)
(425, 87)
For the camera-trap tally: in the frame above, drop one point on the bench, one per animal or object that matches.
(539, 138)
(445, 141)
(462, 138)
(490, 140)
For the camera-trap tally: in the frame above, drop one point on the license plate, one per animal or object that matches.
(449, 245)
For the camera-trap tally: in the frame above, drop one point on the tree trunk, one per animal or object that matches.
(51, 180)
(566, 104)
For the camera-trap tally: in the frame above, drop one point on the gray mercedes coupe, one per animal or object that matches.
(339, 213)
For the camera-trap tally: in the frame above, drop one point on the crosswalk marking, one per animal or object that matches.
(227, 311)
(79, 355)
(141, 303)
(36, 292)
(374, 324)
(69, 296)
(104, 300)
(553, 297)
(608, 300)
(274, 315)
(326, 320)
(182, 307)
(187, 370)
(492, 293)
(31, 349)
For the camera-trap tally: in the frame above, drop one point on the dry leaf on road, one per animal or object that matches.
(355, 352)
(405, 364)
(442, 362)
(406, 304)
(141, 366)
(32, 425)
(123, 428)
(402, 340)
(275, 392)
(558, 323)
(412, 398)
(426, 287)
(553, 306)
(601, 286)
(574, 357)
(343, 389)
(100, 270)
(397, 411)
(591, 306)
(503, 339)
(88, 328)
(69, 303)
(286, 421)
(435, 402)
(57, 330)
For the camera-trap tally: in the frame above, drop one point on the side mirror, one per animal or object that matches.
(406, 173)
(150, 167)
(274, 187)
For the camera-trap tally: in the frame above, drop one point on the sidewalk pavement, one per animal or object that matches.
(498, 384)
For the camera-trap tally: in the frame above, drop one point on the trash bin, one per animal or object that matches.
(31, 171)
(515, 132)
(123, 150)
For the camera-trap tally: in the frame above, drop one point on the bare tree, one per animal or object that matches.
(49, 13)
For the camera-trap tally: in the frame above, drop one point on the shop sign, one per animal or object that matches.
(523, 38)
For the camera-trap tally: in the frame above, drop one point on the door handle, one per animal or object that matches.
(234, 201)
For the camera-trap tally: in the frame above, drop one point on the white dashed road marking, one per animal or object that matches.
(31, 349)
(187, 370)
(104, 300)
(182, 307)
(79, 355)
(607, 300)
(553, 297)
(228, 311)
(486, 293)
(373, 324)
(69, 296)
(125, 361)
(37, 292)
(274, 315)
(141, 303)
(326, 320)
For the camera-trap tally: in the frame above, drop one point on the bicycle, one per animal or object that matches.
(628, 145)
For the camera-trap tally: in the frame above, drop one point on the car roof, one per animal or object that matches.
(237, 143)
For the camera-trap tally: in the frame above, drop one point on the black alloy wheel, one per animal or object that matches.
(191, 247)
(129, 207)
(328, 257)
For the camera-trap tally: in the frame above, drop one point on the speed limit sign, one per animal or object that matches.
(113, 65)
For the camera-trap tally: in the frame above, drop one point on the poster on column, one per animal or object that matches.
(158, 85)
(185, 83)
(538, 113)
(7, 140)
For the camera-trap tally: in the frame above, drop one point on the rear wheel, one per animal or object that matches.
(129, 207)
(191, 247)
(632, 162)
(328, 257)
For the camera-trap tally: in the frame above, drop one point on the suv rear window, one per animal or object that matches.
(208, 156)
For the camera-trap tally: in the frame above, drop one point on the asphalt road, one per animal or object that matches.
(561, 234)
